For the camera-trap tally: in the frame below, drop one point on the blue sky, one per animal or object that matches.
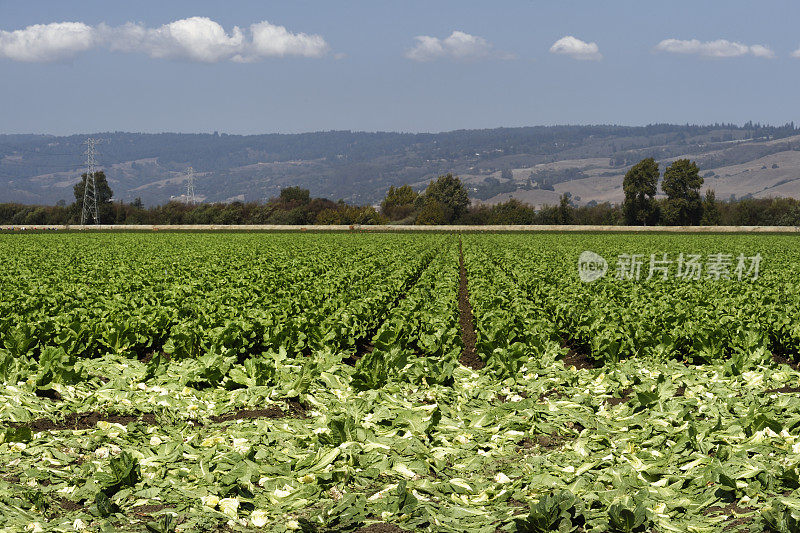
(360, 65)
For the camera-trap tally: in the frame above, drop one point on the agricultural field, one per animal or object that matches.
(388, 382)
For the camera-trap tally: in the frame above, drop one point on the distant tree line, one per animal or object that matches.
(293, 206)
(444, 201)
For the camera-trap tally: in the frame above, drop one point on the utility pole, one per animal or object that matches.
(190, 198)
(89, 210)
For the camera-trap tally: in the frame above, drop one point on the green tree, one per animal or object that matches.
(566, 213)
(640, 186)
(295, 196)
(434, 212)
(682, 182)
(105, 209)
(451, 193)
(711, 214)
(328, 216)
(399, 202)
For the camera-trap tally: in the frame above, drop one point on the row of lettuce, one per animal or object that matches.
(185, 298)
(226, 304)
(527, 294)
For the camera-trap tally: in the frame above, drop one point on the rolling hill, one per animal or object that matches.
(535, 164)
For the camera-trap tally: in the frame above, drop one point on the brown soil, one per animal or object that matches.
(732, 511)
(469, 356)
(145, 358)
(49, 393)
(624, 397)
(577, 426)
(726, 510)
(381, 527)
(363, 347)
(147, 510)
(548, 442)
(295, 409)
(67, 506)
(250, 414)
(577, 358)
(783, 360)
(681, 391)
(85, 420)
(783, 389)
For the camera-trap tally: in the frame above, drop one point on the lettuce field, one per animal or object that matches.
(388, 382)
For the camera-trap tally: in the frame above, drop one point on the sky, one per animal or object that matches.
(247, 67)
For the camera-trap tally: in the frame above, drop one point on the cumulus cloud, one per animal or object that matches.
(459, 46)
(276, 41)
(721, 48)
(47, 42)
(796, 53)
(197, 39)
(759, 50)
(576, 48)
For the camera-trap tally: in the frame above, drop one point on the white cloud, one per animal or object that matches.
(796, 53)
(721, 48)
(459, 45)
(576, 48)
(276, 41)
(47, 42)
(197, 39)
(759, 50)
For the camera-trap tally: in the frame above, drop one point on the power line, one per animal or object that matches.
(90, 185)
(190, 198)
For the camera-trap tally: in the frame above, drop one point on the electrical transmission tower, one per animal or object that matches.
(89, 211)
(190, 198)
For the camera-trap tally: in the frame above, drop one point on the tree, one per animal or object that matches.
(103, 194)
(295, 196)
(711, 215)
(451, 193)
(506, 174)
(682, 182)
(399, 202)
(434, 212)
(640, 186)
(566, 214)
(328, 216)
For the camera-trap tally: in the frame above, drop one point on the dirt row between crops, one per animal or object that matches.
(89, 419)
(469, 356)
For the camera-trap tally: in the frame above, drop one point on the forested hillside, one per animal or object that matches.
(530, 163)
